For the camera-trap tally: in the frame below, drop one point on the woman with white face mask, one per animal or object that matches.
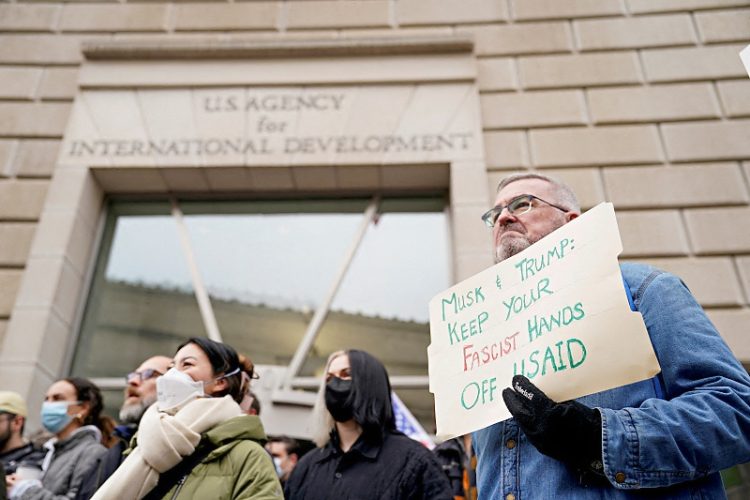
(72, 412)
(195, 441)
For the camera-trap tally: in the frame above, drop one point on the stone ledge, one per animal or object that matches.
(221, 48)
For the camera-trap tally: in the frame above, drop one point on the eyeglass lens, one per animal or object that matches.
(518, 206)
(143, 375)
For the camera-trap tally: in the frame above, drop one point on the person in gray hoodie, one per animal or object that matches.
(72, 412)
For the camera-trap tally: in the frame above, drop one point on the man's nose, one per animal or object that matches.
(504, 217)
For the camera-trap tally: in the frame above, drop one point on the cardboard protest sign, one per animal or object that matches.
(557, 313)
(745, 56)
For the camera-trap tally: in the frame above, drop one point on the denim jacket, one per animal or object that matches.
(666, 437)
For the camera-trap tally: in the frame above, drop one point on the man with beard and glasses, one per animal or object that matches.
(140, 393)
(361, 454)
(667, 437)
(14, 449)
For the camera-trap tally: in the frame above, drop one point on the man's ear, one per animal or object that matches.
(293, 457)
(569, 216)
(17, 423)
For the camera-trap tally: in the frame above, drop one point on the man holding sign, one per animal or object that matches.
(666, 436)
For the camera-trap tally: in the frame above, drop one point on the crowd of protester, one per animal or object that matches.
(189, 427)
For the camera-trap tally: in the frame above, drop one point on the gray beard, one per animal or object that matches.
(510, 247)
(132, 413)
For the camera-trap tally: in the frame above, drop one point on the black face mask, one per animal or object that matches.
(337, 399)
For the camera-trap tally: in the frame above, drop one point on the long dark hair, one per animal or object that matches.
(89, 392)
(223, 359)
(371, 393)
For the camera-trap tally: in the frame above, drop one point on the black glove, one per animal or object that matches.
(569, 432)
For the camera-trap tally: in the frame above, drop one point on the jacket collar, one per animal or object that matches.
(126, 431)
(54, 445)
(17, 452)
(85, 432)
(248, 427)
(367, 447)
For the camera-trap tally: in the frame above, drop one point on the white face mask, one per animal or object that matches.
(175, 389)
(277, 466)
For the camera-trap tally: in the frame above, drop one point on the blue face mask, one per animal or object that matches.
(55, 415)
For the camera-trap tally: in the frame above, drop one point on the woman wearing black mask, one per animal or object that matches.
(361, 455)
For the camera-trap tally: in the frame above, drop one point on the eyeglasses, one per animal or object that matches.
(146, 374)
(517, 206)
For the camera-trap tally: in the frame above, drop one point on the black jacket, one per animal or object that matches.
(450, 454)
(27, 454)
(392, 468)
(3, 492)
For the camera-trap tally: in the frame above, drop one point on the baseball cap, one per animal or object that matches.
(12, 402)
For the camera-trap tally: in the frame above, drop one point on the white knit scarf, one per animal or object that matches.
(163, 441)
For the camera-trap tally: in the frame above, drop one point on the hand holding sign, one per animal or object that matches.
(556, 313)
(568, 431)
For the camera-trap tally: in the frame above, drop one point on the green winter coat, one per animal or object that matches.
(238, 468)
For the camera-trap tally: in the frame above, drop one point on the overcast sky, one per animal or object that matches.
(290, 260)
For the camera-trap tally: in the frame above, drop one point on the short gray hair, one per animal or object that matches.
(565, 195)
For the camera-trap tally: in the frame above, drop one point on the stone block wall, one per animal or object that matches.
(641, 102)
